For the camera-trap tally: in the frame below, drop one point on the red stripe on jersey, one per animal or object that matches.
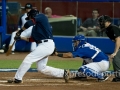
(31, 39)
(33, 21)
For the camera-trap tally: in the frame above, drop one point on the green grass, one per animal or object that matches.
(10, 63)
(64, 64)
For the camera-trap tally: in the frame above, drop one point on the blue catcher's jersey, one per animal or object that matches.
(90, 51)
(42, 29)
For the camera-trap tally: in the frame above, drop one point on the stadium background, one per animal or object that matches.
(37, 81)
(79, 8)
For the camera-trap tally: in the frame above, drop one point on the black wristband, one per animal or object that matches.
(60, 55)
(21, 30)
(17, 38)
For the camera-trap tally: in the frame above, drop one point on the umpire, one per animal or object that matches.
(113, 32)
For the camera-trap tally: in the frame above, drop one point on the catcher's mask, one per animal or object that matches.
(102, 19)
(78, 41)
(32, 13)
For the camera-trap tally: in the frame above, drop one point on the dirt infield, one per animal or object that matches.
(38, 81)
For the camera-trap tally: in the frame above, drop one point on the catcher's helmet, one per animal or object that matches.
(32, 13)
(102, 19)
(80, 38)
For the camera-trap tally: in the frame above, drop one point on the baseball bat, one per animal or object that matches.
(10, 49)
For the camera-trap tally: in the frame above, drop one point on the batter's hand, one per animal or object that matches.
(19, 32)
(17, 37)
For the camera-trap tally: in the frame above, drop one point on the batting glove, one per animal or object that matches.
(19, 32)
(17, 38)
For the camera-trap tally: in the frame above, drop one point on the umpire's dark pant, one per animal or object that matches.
(116, 64)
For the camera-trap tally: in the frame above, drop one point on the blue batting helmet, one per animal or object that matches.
(79, 38)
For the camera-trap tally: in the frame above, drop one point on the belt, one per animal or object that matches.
(41, 41)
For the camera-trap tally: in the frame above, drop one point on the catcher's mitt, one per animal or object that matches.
(87, 61)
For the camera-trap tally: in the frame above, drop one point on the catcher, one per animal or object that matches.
(97, 61)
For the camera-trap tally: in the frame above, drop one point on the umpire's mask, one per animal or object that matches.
(102, 19)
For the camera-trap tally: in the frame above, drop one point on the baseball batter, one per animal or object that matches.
(99, 64)
(42, 35)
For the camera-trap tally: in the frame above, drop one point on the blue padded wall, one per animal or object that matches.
(22, 45)
(115, 21)
(63, 43)
(105, 44)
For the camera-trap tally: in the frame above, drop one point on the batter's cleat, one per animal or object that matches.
(104, 79)
(14, 81)
(66, 75)
(12, 52)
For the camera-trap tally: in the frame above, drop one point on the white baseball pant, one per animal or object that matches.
(101, 66)
(40, 56)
